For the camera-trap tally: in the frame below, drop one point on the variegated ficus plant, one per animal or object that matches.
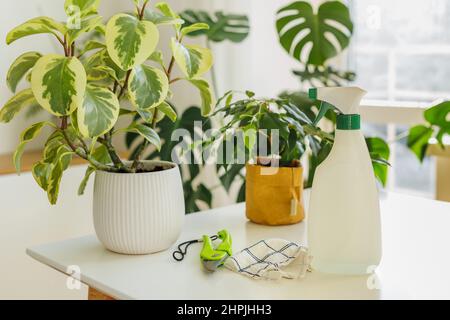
(88, 88)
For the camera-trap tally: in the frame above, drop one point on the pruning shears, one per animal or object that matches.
(212, 257)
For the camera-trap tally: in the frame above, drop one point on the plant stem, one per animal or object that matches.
(144, 145)
(82, 154)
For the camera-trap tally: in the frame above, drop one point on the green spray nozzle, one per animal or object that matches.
(324, 106)
(344, 101)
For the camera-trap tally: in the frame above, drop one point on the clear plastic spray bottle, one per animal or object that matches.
(344, 228)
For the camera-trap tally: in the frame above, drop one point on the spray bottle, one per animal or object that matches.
(344, 228)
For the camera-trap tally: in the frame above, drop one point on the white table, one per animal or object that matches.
(416, 260)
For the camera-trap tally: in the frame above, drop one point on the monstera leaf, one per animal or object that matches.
(313, 38)
(232, 27)
(190, 172)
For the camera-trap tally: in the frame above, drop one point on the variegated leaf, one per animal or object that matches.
(21, 100)
(161, 19)
(81, 8)
(41, 173)
(200, 26)
(35, 26)
(92, 45)
(168, 12)
(205, 94)
(59, 84)
(147, 133)
(101, 155)
(58, 167)
(85, 25)
(168, 111)
(147, 115)
(84, 182)
(99, 112)
(20, 67)
(194, 61)
(148, 87)
(130, 41)
(26, 137)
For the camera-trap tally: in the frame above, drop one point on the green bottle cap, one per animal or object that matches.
(348, 122)
(313, 94)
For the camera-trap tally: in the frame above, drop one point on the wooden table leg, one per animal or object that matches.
(97, 295)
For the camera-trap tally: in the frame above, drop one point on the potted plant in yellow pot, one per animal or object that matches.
(138, 205)
(274, 136)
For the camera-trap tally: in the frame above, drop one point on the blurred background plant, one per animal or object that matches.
(222, 27)
(436, 127)
(314, 39)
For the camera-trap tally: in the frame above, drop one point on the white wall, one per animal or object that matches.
(26, 219)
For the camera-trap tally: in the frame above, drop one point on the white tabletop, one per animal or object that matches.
(415, 265)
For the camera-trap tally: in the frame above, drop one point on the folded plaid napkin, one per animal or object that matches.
(271, 259)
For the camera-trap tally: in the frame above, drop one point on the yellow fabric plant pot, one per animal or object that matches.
(274, 196)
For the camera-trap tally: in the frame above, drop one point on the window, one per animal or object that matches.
(400, 52)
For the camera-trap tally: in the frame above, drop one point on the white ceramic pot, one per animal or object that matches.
(139, 213)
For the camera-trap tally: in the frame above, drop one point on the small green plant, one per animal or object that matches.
(272, 132)
(313, 51)
(87, 89)
(437, 126)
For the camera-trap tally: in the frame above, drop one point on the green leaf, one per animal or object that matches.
(324, 76)
(92, 45)
(439, 116)
(206, 95)
(147, 133)
(418, 139)
(52, 145)
(194, 61)
(230, 176)
(147, 115)
(157, 57)
(232, 27)
(20, 68)
(99, 112)
(380, 154)
(148, 87)
(86, 25)
(26, 137)
(130, 41)
(84, 182)
(56, 172)
(298, 18)
(168, 111)
(59, 84)
(35, 26)
(168, 12)
(161, 19)
(324, 108)
(193, 28)
(41, 174)
(24, 99)
(81, 8)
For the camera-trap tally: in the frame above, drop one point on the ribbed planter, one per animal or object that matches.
(139, 213)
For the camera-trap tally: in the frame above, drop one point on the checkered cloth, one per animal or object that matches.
(271, 259)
